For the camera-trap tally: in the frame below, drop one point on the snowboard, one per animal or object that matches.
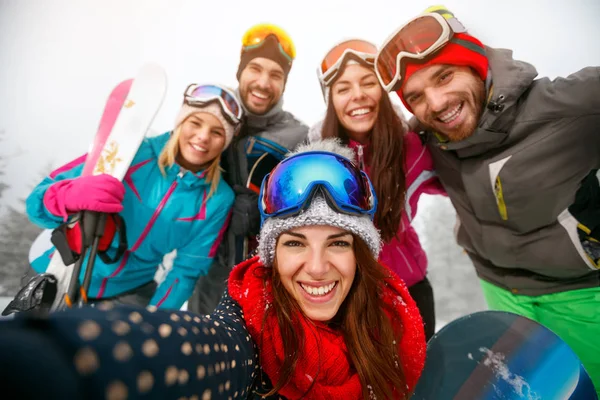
(499, 355)
(121, 131)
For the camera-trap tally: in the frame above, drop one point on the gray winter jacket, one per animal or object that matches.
(514, 181)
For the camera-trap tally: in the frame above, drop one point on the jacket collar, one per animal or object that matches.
(261, 121)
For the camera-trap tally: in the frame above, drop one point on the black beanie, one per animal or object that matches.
(269, 48)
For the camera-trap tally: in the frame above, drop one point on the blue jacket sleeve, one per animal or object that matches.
(130, 352)
(195, 258)
(34, 204)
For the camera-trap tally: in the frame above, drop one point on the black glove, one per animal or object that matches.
(245, 220)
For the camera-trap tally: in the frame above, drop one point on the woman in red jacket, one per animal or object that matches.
(313, 316)
(360, 113)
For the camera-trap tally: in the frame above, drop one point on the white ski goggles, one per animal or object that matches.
(416, 40)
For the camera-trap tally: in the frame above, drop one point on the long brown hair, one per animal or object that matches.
(373, 352)
(386, 165)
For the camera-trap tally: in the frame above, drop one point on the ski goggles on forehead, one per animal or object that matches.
(200, 95)
(291, 185)
(418, 39)
(334, 60)
(256, 36)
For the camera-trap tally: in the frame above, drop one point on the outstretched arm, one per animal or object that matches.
(127, 352)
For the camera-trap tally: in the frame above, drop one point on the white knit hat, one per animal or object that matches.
(318, 213)
(211, 108)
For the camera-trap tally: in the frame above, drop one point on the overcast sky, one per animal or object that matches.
(60, 59)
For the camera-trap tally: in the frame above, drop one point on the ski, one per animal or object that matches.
(113, 153)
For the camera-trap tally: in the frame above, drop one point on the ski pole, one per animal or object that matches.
(98, 222)
(88, 221)
(70, 296)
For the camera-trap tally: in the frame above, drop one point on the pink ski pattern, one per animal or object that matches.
(109, 117)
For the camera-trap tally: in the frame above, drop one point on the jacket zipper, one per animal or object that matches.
(361, 159)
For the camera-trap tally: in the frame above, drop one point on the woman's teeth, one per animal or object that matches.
(320, 290)
(360, 111)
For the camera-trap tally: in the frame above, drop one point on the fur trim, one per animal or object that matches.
(333, 145)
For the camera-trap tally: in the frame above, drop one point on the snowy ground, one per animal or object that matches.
(456, 287)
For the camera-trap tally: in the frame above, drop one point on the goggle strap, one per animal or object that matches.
(257, 45)
(348, 54)
(469, 45)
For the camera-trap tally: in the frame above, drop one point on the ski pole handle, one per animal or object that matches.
(94, 223)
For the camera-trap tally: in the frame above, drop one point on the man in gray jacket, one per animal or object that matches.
(267, 134)
(519, 158)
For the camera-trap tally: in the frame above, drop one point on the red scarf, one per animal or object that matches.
(325, 356)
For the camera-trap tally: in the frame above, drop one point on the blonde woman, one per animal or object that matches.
(172, 198)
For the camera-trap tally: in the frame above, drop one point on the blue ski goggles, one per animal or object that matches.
(291, 185)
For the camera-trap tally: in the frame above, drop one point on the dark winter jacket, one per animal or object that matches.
(525, 184)
(129, 350)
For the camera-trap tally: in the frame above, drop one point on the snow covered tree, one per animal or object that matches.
(16, 235)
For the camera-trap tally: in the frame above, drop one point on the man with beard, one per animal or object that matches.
(268, 133)
(519, 158)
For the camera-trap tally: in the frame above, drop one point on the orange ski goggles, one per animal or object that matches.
(255, 37)
(334, 60)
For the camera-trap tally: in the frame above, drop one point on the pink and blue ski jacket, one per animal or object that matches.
(162, 214)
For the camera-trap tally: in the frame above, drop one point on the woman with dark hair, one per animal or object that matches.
(313, 316)
(361, 114)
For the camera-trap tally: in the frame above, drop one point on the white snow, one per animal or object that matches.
(495, 361)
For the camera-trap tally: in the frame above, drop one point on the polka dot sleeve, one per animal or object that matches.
(128, 352)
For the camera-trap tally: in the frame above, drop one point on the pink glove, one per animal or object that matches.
(102, 193)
